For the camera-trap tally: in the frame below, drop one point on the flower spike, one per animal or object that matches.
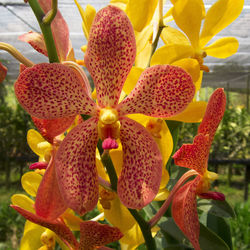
(195, 156)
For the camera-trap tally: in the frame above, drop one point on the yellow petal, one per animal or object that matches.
(164, 178)
(133, 237)
(188, 15)
(100, 168)
(162, 195)
(132, 79)
(30, 182)
(140, 12)
(87, 17)
(143, 57)
(171, 35)
(223, 47)
(165, 144)
(37, 143)
(193, 113)
(119, 3)
(72, 221)
(117, 159)
(119, 216)
(143, 38)
(218, 17)
(31, 236)
(198, 83)
(191, 66)
(170, 53)
(23, 201)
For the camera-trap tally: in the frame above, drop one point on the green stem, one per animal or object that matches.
(144, 225)
(145, 228)
(161, 26)
(46, 30)
(48, 18)
(107, 162)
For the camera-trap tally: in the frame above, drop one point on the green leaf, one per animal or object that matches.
(218, 208)
(209, 240)
(220, 226)
(172, 233)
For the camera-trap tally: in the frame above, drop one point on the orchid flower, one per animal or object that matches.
(195, 156)
(92, 233)
(51, 91)
(3, 72)
(188, 15)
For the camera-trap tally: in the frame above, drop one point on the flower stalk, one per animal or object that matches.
(167, 202)
(48, 18)
(15, 53)
(46, 30)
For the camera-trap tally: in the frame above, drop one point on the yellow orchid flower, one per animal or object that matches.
(188, 15)
(39, 145)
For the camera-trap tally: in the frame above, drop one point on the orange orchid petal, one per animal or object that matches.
(3, 72)
(56, 226)
(110, 53)
(184, 211)
(36, 40)
(141, 173)
(94, 234)
(215, 110)
(51, 128)
(49, 203)
(76, 167)
(161, 91)
(52, 90)
(194, 156)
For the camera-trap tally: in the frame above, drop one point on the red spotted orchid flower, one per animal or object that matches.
(50, 91)
(93, 235)
(195, 156)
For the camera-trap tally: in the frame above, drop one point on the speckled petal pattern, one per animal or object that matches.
(110, 53)
(51, 128)
(161, 91)
(184, 211)
(140, 177)
(94, 234)
(215, 110)
(76, 169)
(35, 40)
(56, 226)
(49, 203)
(52, 90)
(194, 156)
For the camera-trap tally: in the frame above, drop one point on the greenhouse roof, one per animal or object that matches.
(17, 18)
